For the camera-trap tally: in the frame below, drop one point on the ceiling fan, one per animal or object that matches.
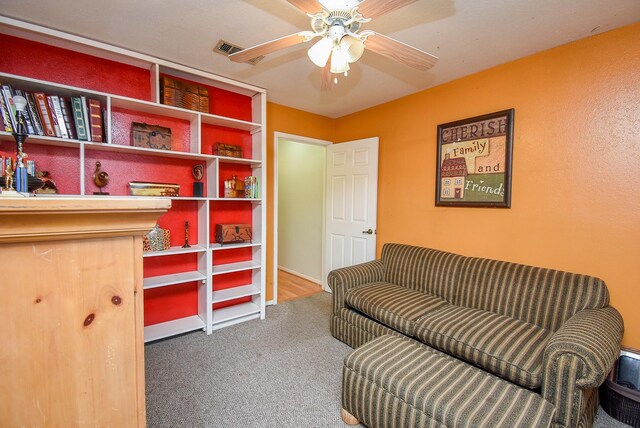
(338, 23)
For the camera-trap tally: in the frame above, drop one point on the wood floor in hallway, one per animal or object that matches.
(291, 287)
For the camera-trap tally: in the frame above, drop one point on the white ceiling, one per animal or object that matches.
(467, 36)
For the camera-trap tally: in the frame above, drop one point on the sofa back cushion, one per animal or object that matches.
(421, 269)
(544, 297)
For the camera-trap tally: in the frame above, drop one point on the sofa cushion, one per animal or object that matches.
(422, 269)
(540, 296)
(504, 346)
(393, 305)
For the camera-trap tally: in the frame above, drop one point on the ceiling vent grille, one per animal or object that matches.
(226, 48)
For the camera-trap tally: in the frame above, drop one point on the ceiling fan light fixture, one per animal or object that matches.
(339, 61)
(352, 47)
(320, 51)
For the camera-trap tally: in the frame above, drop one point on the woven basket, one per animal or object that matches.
(621, 403)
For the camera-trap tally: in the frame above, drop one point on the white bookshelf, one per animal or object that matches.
(206, 208)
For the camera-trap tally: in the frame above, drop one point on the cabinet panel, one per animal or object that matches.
(90, 310)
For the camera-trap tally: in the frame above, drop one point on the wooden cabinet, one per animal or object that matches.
(205, 286)
(71, 314)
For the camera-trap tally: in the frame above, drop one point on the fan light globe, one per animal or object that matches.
(352, 47)
(20, 103)
(320, 51)
(339, 62)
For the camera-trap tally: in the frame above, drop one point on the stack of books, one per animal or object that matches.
(251, 189)
(75, 118)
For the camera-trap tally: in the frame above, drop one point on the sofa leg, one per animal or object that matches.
(348, 418)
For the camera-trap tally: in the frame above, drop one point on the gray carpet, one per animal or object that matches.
(284, 371)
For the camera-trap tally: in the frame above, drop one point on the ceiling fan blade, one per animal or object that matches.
(326, 82)
(401, 52)
(268, 47)
(307, 6)
(375, 8)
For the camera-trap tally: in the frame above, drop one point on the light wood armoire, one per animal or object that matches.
(71, 319)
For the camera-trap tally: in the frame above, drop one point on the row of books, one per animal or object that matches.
(76, 118)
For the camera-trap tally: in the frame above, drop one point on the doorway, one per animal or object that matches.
(299, 196)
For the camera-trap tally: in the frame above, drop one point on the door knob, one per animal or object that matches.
(368, 232)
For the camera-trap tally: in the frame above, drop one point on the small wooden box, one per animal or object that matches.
(150, 136)
(220, 149)
(176, 93)
(233, 233)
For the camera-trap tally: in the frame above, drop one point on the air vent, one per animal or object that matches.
(225, 48)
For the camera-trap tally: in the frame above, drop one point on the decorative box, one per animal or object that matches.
(234, 188)
(220, 149)
(176, 93)
(150, 136)
(157, 240)
(140, 188)
(233, 233)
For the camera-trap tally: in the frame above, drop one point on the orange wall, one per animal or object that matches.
(576, 164)
(296, 122)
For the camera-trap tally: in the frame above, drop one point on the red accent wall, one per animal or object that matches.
(41, 61)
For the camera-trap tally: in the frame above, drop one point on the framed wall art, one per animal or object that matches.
(474, 161)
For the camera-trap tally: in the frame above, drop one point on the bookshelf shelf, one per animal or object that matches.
(173, 327)
(234, 293)
(127, 86)
(144, 151)
(173, 279)
(232, 313)
(235, 267)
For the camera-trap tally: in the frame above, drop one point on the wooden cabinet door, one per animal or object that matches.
(68, 320)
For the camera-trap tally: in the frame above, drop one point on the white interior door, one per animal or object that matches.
(351, 205)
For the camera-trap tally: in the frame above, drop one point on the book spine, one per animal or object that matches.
(95, 114)
(6, 126)
(45, 115)
(60, 118)
(85, 114)
(33, 111)
(8, 99)
(26, 116)
(78, 117)
(65, 106)
(54, 117)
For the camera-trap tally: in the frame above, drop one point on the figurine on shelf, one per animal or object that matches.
(100, 178)
(49, 186)
(186, 235)
(8, 178)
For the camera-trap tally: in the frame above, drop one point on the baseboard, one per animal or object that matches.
(269, 303)
(301, 275)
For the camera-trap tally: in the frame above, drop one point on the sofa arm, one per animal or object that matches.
(593, 337)
(579, 356)
(342, 280)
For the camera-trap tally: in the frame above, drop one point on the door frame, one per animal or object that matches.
(277, 137)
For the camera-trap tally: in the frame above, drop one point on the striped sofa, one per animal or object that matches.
(548, 331)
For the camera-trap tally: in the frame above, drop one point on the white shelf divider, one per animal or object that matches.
(173, 327)
(234, 293)
(235, 267)
(173, 279)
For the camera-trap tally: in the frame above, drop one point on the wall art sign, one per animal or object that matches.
(474, 161)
